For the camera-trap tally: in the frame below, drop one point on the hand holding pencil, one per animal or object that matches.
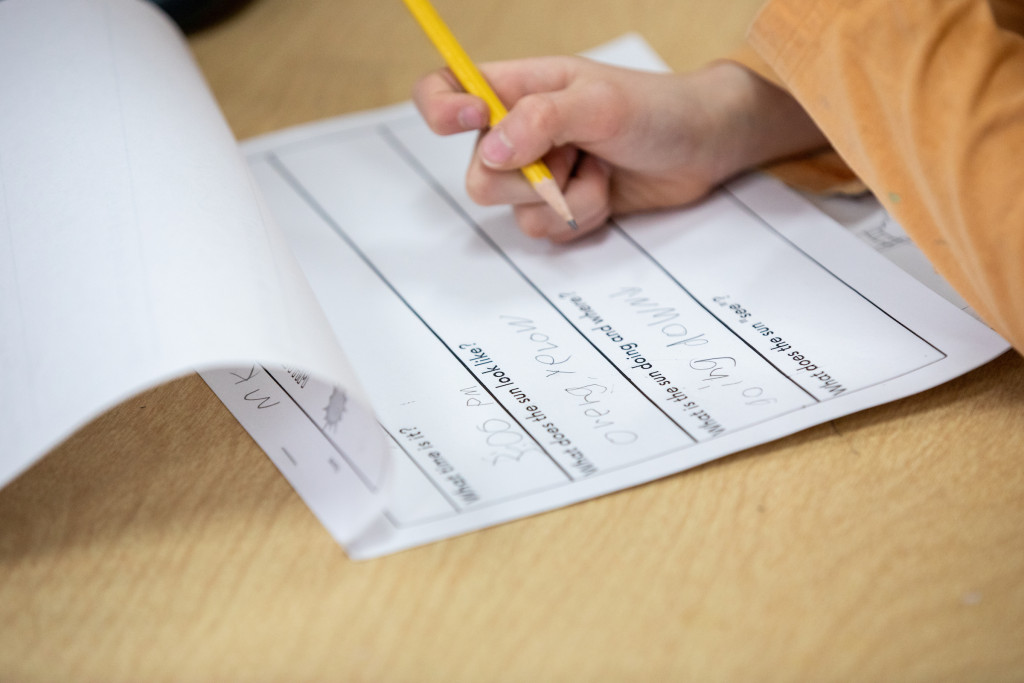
(473, 81)
(617, 140)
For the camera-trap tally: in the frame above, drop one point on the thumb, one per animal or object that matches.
(541, 121)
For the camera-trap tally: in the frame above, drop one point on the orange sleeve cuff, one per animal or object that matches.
(822, 172)
(745, 55)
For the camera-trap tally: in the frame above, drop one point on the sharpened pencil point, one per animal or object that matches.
(549, 192)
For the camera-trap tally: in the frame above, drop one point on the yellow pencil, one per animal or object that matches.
(474, 82)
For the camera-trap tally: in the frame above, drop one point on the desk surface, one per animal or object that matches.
(160, 543)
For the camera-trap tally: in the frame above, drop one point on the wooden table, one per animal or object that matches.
(160, 544)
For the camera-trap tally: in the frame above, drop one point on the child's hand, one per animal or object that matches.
(616, 140)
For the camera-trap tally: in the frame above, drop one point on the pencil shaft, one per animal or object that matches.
(455, 57)
(474, 82)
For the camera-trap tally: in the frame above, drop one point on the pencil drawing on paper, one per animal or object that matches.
(334, 411)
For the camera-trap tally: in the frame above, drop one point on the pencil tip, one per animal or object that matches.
(573, 225)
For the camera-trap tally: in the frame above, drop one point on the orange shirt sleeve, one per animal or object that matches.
(925, 102)
(822, 172)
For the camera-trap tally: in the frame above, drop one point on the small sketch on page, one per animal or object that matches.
(865, 218)
(334, 411)
(882, 236)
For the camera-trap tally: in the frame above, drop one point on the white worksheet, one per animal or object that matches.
(513, 376)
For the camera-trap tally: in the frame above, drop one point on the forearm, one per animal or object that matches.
(763, 123)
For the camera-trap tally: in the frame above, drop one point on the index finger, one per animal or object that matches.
(445, 107)
(514, 79)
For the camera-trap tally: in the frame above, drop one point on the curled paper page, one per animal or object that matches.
(323, 439)
(134, 246)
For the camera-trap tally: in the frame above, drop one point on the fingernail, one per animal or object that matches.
(471, 118)
(495, 149)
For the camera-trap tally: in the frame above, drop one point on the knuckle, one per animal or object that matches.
(540, 113)
(428, 112)
(532, 221)
(479, 189)
(433, 119)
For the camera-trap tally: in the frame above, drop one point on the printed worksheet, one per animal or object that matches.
(512, 376)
